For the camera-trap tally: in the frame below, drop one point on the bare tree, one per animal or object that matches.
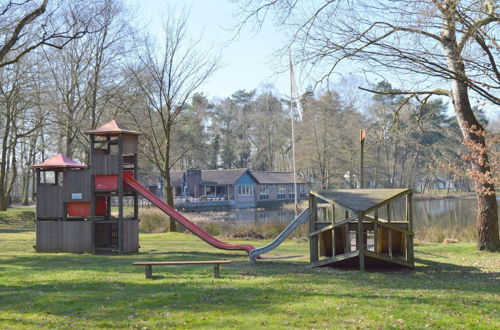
(167, 74)
(84, 74)
(30, 24)
(433, 43)
(18, 122)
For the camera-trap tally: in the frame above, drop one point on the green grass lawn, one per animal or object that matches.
(453, 286)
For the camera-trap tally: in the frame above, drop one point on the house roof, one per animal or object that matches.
(111, 128)
(176, 178)
(222, 177)
(229, 177)
(59, 161)
(266, 177)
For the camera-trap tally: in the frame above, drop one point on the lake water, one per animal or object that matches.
(450, 213)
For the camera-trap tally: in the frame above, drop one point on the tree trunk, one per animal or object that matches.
(487, 211)
(166, 175)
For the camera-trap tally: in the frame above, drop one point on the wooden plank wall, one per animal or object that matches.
(49, 201)
(130, 236)
(105, 164)
(76, 236)
(49, 236)
(77, 182)
(63, 236)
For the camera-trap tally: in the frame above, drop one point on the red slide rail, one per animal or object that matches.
(129, 180)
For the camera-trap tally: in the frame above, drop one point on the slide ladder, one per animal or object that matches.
(300, 219)
(130, 181)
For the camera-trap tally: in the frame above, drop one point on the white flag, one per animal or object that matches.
(295, 92)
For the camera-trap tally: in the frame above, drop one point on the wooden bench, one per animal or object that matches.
(149, 265)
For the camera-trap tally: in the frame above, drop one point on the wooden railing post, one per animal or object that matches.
(389, 233)
(409, 217)
(313, 240)
(361, 248)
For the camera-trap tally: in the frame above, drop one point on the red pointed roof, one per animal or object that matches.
(59, 161)
(111, 128)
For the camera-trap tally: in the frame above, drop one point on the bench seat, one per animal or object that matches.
(149, 265)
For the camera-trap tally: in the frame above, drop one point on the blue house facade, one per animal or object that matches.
(239, 188)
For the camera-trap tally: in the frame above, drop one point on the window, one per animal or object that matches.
(245, 190)
(302, 190)
(210, 191)
(264, 191)
(281, 191)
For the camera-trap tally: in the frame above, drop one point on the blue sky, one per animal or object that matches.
(247, 62)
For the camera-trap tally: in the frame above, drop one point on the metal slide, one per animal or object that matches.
(300, 219)
(129, 180)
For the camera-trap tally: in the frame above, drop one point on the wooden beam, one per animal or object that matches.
(389, 232)
(375, 232)
(329, 227)
(361, 247)
(313, 217)
(120, 194)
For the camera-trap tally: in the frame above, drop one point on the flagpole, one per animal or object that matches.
(293, 140)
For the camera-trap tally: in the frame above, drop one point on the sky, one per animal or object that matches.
(247, 62)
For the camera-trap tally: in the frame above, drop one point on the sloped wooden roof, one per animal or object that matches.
(111, 128)
(59, 161)
(360, 200)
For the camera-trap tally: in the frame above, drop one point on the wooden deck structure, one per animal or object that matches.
(356, 227)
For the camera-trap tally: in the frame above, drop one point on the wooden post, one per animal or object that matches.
(389, 233)
(216, 271)
(376, 248)
(92, 212)
(149, 271)
(313, 240)
(361, 247)
(347, 243)
(136, 195)
(37, 175)
(409, 215)
(120, 193)
(362, 135)
(333, 242)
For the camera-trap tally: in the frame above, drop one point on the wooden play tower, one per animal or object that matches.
(357, 227)
(80, 208)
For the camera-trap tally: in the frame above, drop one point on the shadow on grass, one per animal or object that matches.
(118, 299)
(100, 289)
(16, 231)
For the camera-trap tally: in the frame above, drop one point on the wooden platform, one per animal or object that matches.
(345, 228)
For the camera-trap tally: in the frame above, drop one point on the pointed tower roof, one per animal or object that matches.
(59, 161)
(111, 128)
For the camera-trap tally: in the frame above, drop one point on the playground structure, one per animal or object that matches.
(74, 211)
(74, 201)
(346, 228)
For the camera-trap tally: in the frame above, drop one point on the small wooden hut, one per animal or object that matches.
(358, 226)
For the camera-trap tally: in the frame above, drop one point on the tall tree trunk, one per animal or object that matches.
(169, 195)
(487, 211)
(4, 161)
